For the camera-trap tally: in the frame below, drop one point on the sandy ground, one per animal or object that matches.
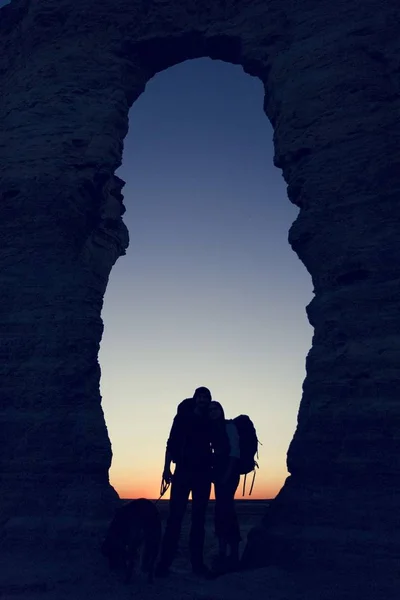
(88, 576)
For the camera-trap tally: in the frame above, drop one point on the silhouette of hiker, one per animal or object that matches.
(226, 476)
(189, 447)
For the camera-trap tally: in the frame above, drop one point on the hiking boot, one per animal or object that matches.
(232, 563)
(202, 571)
(161, 570)
(220, 565)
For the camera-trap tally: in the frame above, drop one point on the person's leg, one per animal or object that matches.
(233, 529)
(219, 519)
(222, 548)
(180, 488)
(220, 526)
(201, 488)
(226, 523)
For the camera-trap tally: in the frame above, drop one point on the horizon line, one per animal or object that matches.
(210, 500)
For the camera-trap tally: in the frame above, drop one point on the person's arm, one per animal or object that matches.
(167, 473)
(174, 442)
(234, 450)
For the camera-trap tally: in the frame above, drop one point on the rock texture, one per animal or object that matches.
(69, 72)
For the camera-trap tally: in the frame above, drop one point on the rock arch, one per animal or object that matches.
(69, 73)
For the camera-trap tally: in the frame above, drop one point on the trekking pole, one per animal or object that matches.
(244, 483)
(163, 488)
(252, 483)
(254, 471)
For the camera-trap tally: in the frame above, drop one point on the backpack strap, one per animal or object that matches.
(244, 483)
(252, 483)
(258, 444)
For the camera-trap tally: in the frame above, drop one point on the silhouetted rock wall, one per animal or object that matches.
(69, 72)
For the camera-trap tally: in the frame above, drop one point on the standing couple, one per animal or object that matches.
(205, 448)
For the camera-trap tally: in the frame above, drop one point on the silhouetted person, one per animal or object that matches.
(189, 447)
(226, 476)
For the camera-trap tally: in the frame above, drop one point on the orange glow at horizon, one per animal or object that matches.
(150, 489)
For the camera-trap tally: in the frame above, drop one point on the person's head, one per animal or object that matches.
(202, 397)
(216, 412)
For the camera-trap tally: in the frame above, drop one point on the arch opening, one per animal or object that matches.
(219, 235)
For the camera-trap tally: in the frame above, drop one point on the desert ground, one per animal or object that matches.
(85, 576)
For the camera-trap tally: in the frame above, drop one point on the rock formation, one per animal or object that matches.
(69, 73)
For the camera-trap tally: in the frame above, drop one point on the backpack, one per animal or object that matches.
(248, 443)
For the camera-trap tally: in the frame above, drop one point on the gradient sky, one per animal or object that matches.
(210, 292)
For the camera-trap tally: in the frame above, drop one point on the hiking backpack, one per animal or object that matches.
(248, 444)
